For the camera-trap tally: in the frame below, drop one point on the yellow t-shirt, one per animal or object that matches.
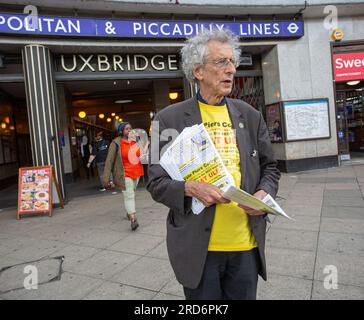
(231, 229)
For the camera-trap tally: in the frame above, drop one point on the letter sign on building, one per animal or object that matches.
(349, 66)
(116, 62)
(56, 26)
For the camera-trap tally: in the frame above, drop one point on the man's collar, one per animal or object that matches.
(221, 103)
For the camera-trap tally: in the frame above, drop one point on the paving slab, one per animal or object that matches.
(160, 251)
(13, 295)
(12, 243)
(74, 255)
(284, 288)
(301, 188)
(341, 243)
(290, 262)
(104, 264)
(62, 233)
(15, 276)
(343, 202)
(292, 239)
(342, 292)
(137, 243)
(102, 238)
(349, 268)
(350, 226)
(342, 194)
(302, 222)
(174, 288)
(158, 214)
(156, 227)
(116, 291)
(342, 186)
(95, 222)
(147, 273)
(70, 287)
(6, 262)
(302, 210)
(339, 212)
(24, 227)
(304, 200)
(120, 225)
(36, 249)
(344, 179)
(164, 296)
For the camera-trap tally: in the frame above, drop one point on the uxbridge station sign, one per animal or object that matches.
(116, 62)
(88, 27)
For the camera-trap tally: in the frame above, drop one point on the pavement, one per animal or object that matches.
(87, 250)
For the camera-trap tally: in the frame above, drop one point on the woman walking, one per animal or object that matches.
(124, 164)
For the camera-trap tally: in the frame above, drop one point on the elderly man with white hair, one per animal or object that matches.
(218, 253)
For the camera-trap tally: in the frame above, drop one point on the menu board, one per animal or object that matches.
(35, 190)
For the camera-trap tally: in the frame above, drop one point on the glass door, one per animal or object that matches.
(350, 122)
(354, 104)
(342, 126)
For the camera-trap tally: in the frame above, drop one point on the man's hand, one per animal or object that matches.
(207, 193)
(88, 165)
(260, 195)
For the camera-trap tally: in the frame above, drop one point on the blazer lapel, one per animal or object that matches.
(192, 113)
(239, 124)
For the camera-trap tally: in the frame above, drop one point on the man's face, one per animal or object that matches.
(216, 79)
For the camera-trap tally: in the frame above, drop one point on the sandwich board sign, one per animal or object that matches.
(38, 190)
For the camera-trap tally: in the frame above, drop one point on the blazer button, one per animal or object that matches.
(207, 229)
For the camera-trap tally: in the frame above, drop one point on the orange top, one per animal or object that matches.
(130, 153)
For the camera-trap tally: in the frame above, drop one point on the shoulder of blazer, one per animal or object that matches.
(175, 109)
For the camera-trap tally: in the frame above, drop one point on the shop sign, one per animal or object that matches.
(67, 26)
(349, 66)
(116, 62)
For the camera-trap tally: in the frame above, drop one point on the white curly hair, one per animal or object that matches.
(194, 52)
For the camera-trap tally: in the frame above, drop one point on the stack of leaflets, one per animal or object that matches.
(267, 204)
(193, 157)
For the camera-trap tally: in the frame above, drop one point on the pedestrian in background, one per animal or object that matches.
(99, 154)
(123, 162)
(85, 150)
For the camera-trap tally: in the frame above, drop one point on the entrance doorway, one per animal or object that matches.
(250, 90)
(350, 121)
(88, 107)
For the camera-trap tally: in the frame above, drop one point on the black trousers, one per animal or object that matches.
(228, 276)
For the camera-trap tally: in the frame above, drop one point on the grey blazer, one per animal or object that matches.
(188, 234)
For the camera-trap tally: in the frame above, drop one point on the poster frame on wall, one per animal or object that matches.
(299, 104)
(270, 120)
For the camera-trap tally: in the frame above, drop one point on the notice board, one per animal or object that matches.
(306, 119)
(38, 190)
(274, 122)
